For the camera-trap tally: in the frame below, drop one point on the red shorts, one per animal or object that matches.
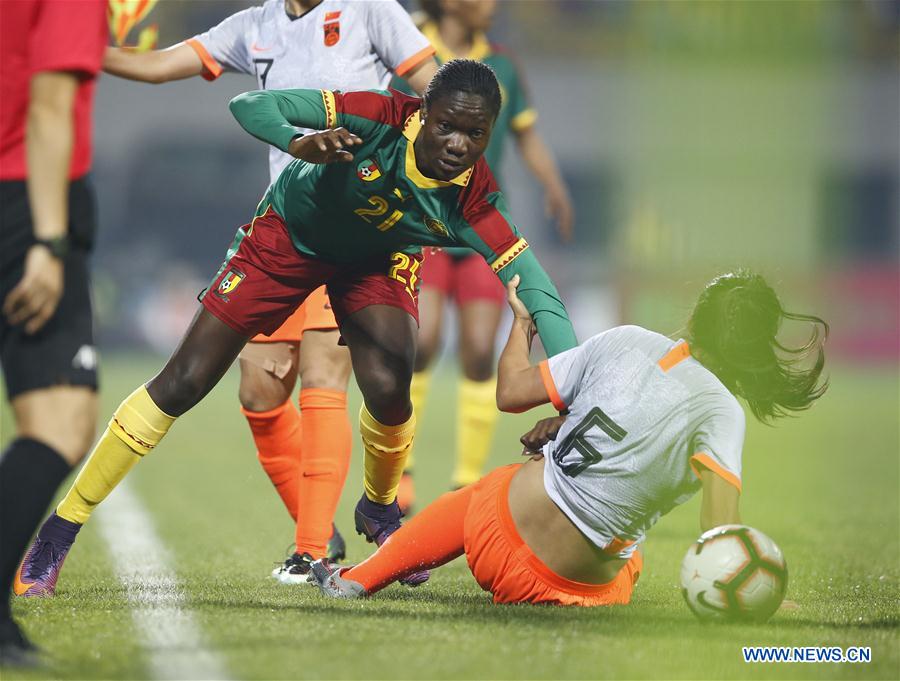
(503, 564)
(314, 314)
(266, 279)
(465, 278)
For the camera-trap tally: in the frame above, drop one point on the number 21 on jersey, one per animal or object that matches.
(379, 206)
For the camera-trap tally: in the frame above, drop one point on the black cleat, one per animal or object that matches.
(336, 550)
(377, 522)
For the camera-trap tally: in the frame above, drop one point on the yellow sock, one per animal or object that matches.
(386, 448)
(418, 391)
(137, 426)
(476, 416)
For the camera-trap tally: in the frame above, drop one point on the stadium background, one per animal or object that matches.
(695, 137)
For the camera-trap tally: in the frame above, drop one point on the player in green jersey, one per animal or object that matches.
(457, 276)
(387, 174)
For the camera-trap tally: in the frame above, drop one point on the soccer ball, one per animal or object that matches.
(734, 572)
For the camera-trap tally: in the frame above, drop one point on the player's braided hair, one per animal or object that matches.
(734, 328)
(465, 75)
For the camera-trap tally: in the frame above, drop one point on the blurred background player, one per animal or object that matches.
(329, 44)
(650, 422)
(456, 29)
(51, 54)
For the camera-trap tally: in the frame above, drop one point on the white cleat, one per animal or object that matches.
(294, 570)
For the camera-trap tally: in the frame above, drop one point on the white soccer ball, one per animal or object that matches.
(734, 572)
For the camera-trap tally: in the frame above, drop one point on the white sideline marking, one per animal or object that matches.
(170, 635)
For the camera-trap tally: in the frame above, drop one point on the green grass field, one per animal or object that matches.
(825, 486)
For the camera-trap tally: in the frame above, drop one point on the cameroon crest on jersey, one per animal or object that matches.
(368, 170)
(230, 281)
(435, 226)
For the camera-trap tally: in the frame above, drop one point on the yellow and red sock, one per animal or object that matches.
(432, 538)
(327, 442)
(137, 426)
(277, 434)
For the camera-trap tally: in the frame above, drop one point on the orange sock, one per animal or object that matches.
(327, 441)
(278, 444)
(433, 537)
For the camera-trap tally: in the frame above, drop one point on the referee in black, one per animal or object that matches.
(51, 53)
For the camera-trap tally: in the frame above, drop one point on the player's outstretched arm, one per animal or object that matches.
(539, 296)
(519, 384)
(720, 501)
(271, 115)
(154, 66)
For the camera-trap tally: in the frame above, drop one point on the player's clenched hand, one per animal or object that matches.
(543, 431)
(518, 307)
(328, 146)
(34, 299)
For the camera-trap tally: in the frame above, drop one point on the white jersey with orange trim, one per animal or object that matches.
(338, 45)
(644, 418)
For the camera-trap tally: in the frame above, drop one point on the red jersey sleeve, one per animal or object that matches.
(68, 36)
(386, 107)
(485, 211)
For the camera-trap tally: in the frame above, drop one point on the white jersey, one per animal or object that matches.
(338, 45)
(644, 418)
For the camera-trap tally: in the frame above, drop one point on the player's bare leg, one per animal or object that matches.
(382, 342)
(64, 417)
(476, 411)
(268, 374)
(206, 351)
(431, 322)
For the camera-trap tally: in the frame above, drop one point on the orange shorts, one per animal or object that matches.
(314, 314)
(503, 564)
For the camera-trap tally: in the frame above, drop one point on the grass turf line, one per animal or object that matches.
(823, 485)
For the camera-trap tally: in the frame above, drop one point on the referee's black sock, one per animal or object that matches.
(30, 474)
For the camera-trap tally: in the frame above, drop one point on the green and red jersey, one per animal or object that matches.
(380, 202)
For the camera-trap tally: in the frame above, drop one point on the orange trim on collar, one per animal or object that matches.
(550, 386)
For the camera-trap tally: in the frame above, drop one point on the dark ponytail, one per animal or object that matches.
(733, 331)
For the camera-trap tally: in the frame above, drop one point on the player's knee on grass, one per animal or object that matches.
(62, 417)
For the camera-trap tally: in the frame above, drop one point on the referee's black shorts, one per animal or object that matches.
(62, 352)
